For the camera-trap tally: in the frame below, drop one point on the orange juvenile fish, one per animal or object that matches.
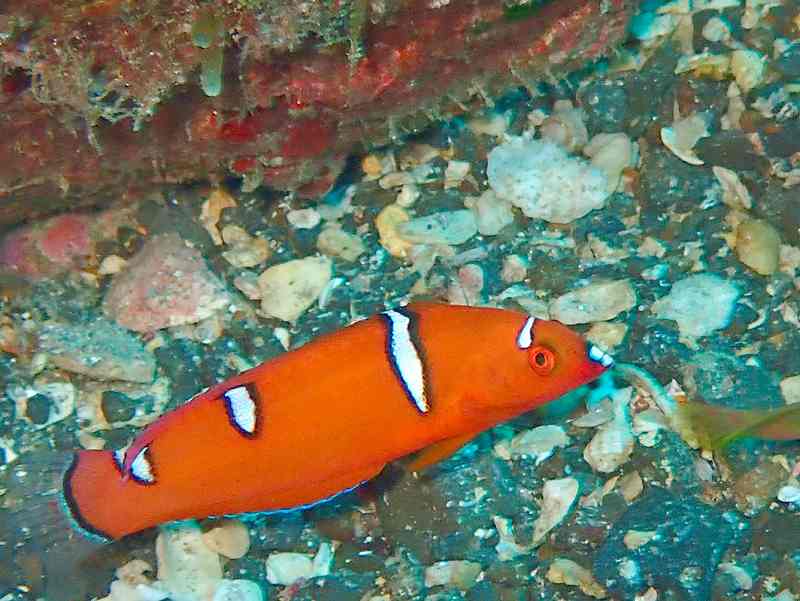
(324, 418)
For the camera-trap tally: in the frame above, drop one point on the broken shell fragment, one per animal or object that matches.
(682, 136)
(558, 499)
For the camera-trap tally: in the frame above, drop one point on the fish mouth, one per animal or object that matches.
(598, 355)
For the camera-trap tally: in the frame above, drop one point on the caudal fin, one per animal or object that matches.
(46, 546)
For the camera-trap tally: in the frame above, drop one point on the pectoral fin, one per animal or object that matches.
(438, 451)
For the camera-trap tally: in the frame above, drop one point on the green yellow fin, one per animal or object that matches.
(716, 427)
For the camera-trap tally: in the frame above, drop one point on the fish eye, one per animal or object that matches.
(542, 360)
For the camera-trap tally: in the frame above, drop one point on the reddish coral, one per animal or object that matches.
(96, 105)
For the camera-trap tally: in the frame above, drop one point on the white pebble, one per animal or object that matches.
(491, 213)
(700, 304)
(545, 182)
(682, 136)
(238, 590)
(597, 301)
(558, 498)
(303, 219)
(444, 227)
(612, 445)
(289, 289)
(539, 443)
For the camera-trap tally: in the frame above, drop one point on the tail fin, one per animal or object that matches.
(715, 427)
(46, 548)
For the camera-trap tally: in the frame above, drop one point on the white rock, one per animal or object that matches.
(454, 173)
(288, 289)
(565, 126)
(683, 135)
(612, 153)
(566, 571)
(458, 573)
(540, 442)
(612, 445)
(408, 195)
(542, 180)
(238, 590)
(717, 29)
(444, 227)
(286, 568)
(491, 213)
(303, 219)
(508, 548)
(597, 301)
(700, 304)
(558, 498)
(187, 568)
(387, 223)
(336, 242)
(789, 493)
(748, 67)
(790, 389)
(734, 192)
(515, 269)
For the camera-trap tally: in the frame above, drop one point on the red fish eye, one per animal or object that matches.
(542, 360)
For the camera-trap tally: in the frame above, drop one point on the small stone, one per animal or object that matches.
(558, 499)
(186, 566)
(734, 193)
(166, 284)
(459, 574)
(334, 241)
(539, 443)
(607, 335)
(565, 126)
(789, 494)
(387, 222)
(247, 284)
(748, 67)
(454, 173)
(491, 213)
(303, 219)
(790, 389)
(245, 250)
(466, 289)
(636, 538)
(683, 135)
(613, 443)
(700, 304)
(612, 153)
(758, 246)
(287, 568)
(408, 195)
(111, 265)
(515, 269)
(445, 227)
(211, 211)
(238, 590)
(289, 289)
(566, 571)
(230, 539)
(597, 301)
(117, 406)
(631, 486)
(98, 349)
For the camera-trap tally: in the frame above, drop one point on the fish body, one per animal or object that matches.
(330, 415)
